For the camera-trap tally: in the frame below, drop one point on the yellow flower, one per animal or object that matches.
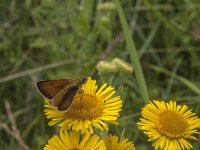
(72, 141)
(92, 108)
(169, 125)
(112, 143)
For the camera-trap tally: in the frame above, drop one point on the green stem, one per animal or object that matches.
(133, 53)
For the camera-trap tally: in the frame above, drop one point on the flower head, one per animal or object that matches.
(72, 141)
(169, 125)
(89, 109)
(112, 143)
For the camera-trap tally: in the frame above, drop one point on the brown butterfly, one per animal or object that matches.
(60, 93)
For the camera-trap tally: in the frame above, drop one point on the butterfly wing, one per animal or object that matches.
(63, 100)
(49, 88)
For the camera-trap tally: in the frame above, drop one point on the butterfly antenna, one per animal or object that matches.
(82, 71)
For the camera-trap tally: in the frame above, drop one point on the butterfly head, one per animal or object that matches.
(83, 79)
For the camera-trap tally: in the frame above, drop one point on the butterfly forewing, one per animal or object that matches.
(49, 88)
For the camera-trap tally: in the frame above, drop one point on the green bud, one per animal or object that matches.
(106, 6)
(123, 67)
(105, 67)
(109, 71)
(115, 66)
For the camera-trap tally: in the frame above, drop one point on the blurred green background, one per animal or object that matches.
(52, 39)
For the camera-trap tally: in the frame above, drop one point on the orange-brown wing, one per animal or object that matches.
(63, 100)
(49, 88)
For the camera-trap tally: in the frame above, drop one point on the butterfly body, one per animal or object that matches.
(60, 93)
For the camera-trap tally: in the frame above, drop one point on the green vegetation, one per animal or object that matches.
(52, 39)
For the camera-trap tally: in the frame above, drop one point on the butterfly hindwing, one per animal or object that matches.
(63, 100)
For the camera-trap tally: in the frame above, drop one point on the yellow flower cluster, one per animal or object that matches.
(168, 125)
(95, 109)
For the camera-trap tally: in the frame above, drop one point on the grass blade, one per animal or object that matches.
(185, 81)
(133, 53)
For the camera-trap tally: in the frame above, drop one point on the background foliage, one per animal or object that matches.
(72, 34)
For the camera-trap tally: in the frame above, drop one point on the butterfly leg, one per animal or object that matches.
(81, 92)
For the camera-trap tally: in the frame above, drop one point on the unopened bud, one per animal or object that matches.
(106, 6)
(105, 67)
(122, 66)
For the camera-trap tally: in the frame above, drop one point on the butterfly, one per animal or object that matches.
(60, 93)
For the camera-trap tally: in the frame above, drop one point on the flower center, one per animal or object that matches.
(85, 107)
(172, 124)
